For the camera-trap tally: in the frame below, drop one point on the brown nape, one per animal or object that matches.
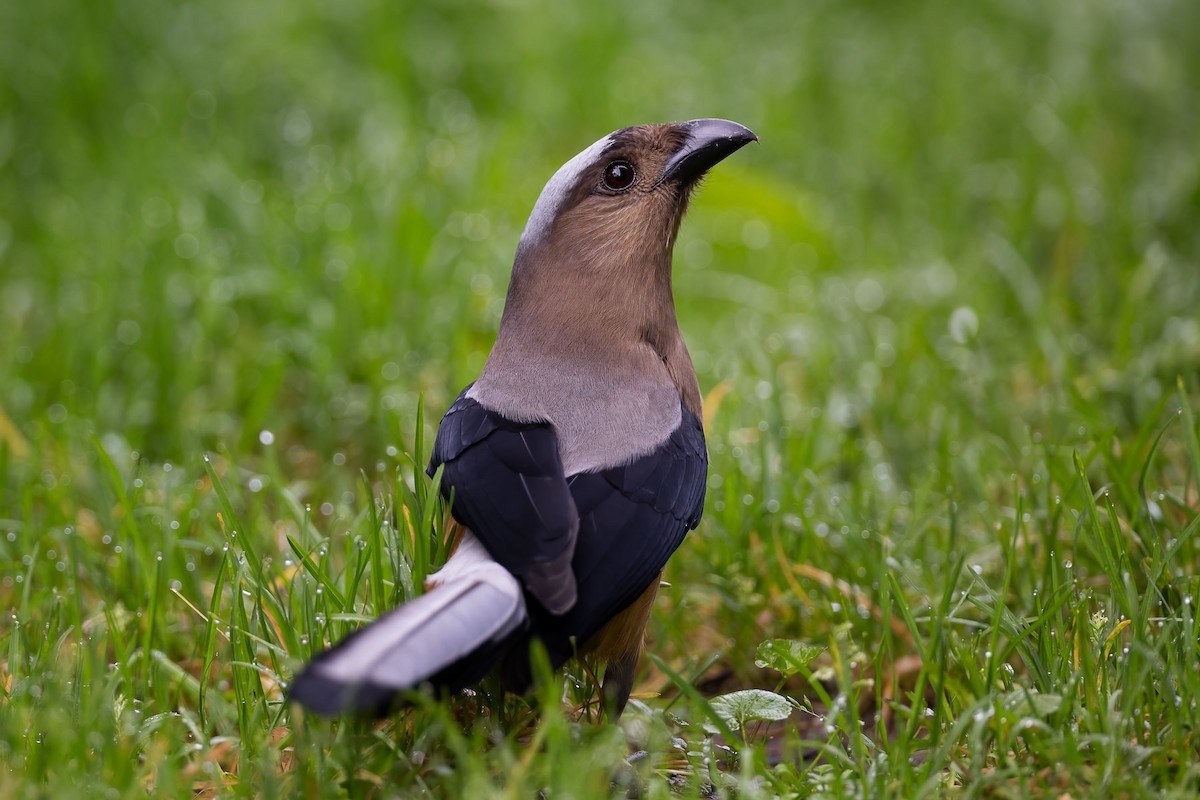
(600, 283)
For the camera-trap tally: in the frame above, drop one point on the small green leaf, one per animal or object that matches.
(1021, 701)
(750, 705)
(787, 656)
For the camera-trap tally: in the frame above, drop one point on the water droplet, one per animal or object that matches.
(266, 437)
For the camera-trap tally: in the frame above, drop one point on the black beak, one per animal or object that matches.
(708, 142)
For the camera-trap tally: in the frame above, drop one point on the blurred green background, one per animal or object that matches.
(967, 245)
(220, 216)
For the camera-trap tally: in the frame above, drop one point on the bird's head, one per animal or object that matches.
(619, 202)
(591, 283)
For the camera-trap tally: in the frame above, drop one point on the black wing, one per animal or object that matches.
(631, 519)
(509, 490)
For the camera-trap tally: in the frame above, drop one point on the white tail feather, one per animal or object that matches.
(472, 601)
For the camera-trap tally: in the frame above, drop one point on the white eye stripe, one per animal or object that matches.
(556, 191)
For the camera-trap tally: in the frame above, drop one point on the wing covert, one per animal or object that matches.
(508, 488)
(631, 519)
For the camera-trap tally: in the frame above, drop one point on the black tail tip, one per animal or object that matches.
(330, 697)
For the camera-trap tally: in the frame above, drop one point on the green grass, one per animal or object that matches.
(945, 316)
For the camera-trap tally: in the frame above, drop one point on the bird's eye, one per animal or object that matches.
(619, 176)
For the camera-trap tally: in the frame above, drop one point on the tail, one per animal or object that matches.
(451, 634)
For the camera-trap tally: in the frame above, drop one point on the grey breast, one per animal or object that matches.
(604, 415)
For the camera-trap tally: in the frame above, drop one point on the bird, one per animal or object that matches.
(576, 463)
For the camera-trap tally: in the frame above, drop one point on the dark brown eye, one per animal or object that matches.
(619, 176)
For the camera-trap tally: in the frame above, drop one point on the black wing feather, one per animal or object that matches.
(623, 522)
(632, 518)
(508, 488)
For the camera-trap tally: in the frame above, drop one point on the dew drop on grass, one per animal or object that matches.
(266, 437)
(255, 484)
